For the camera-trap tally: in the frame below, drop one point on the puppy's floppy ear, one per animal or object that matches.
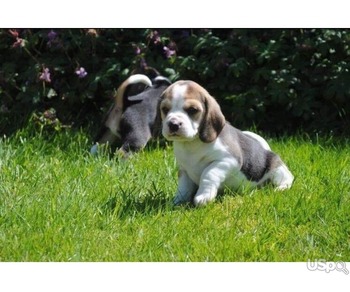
(213, 121)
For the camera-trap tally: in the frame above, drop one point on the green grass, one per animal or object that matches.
(58, 203)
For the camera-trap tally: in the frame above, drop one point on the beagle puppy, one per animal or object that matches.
(132, 116)
(211, 153)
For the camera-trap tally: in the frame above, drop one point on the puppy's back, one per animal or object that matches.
(254, 159)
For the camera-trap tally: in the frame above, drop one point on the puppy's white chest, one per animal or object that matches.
(195, 158)
(192, 159)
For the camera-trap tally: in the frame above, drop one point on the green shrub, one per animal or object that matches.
(278, 80)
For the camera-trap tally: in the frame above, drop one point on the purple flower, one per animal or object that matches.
(18, 43)
(137, 51)
(52, 35)
(53, 40)
(81, 72)
(14, 33)
(168, 52)
(155, 37)
(45, 75)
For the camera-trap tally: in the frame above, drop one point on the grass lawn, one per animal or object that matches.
(59, 203)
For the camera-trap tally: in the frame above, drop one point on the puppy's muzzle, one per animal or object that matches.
(174, 125)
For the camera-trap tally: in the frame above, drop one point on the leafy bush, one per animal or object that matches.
(280, 80)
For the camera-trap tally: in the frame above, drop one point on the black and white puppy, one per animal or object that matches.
(131, 118)
(211, 153)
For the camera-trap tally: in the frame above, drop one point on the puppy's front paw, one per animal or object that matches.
(283, 187)
(202, 200)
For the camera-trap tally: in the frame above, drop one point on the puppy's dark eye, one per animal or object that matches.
(191, 110)
(165, 110)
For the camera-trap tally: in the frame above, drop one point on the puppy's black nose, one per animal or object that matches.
(174, 126)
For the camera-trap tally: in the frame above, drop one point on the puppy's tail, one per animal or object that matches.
(133, 79)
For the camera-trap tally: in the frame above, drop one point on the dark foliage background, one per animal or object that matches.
(277, 80)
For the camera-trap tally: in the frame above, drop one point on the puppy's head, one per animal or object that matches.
(189, 112)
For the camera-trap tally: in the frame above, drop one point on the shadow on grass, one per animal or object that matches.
(129, 204)
(135, 201)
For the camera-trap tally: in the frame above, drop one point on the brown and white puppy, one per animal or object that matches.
(211, 153)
